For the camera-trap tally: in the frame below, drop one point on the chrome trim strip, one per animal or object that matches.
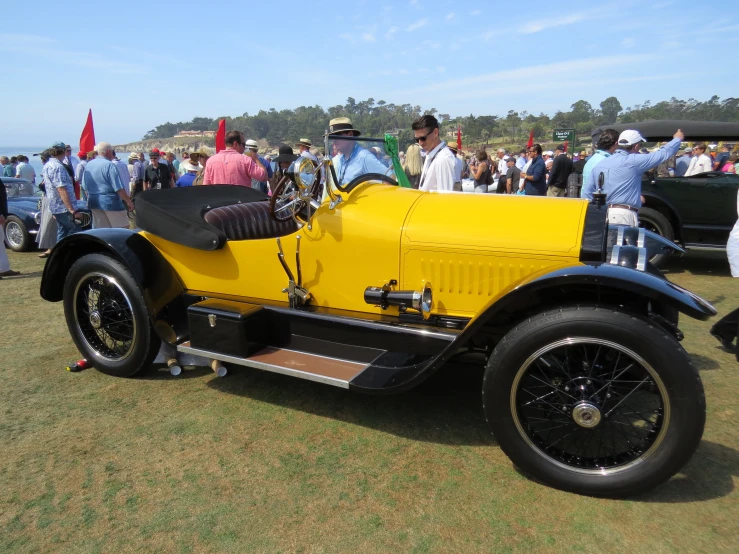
(615, 255)
(187, 349)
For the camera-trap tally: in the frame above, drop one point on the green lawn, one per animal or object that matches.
(258, 462)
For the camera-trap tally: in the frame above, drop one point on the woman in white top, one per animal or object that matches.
(701, 162)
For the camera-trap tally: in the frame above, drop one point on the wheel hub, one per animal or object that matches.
(586, 415)
(95, 320)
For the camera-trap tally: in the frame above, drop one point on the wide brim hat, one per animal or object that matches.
(286, 155)
(341, 125)
(304, 142)
(187, 166)
(131, 156)
(452, 147)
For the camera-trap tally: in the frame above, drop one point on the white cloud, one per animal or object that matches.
(52, 49)
(628, 42)
(449, 16)
(368, 37)
(560, 71)
(417, 25)
(390, 32)
(475, 12)
(541, 24)
(347, 36)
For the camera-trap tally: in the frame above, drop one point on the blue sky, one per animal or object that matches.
(141, 64)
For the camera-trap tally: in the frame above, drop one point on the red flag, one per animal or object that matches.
(566, 143)
(531, 139)
(221, 136)
(459, 138)
(87, 138)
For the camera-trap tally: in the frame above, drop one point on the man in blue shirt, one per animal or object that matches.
(107, 197)
(623, 173)
(352, 160)
(683, 163)
(60, 192)
(252, 145)
(721, 158)
(607, 144)
(535, 178)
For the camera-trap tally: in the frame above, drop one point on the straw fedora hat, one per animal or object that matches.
(341, 125)
(304, 142)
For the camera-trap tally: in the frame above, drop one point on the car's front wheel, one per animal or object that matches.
(594, 401)
(16, 234)
(107, 316)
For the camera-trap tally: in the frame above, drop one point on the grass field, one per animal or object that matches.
(258, 462)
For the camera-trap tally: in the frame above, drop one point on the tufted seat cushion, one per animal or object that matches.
(248, 221)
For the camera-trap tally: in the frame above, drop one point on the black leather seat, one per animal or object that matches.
(248, 221)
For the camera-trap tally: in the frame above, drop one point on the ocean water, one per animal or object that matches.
(35, 161)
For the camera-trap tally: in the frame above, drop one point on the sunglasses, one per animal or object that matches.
(422, 138)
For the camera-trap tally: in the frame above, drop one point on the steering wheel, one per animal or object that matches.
(286, 201)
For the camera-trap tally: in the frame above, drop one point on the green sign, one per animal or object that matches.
(561, 135)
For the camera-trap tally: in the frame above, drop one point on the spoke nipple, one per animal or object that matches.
(567, 388)
(589, 382)
(608, 395)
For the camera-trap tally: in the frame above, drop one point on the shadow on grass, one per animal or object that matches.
(704, 363)
(708, 475)
(714, 264)
(446, 409)
(24, 276)
(160, 372)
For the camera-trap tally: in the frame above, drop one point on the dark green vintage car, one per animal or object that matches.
(697, 212)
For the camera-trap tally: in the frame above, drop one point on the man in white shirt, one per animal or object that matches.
(24, 170)
(439, 164)
(458, 168)
(700, 162)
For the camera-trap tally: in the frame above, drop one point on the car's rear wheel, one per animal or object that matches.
(16, 234)
(594, 401)
(107, 317)
(656, 222)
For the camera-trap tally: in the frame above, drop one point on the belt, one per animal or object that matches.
(624, 207)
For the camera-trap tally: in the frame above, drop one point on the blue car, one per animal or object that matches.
(24, 214)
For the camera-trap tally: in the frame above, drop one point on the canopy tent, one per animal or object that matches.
(664, 129)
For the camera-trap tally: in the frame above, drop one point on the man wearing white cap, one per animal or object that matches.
(623, 171)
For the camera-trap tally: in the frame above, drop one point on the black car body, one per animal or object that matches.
(24, 213)
(697, 211)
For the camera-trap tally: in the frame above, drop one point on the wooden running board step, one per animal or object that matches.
(323, 369)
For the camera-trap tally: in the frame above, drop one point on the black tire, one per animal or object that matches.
(107, 317)
(655, 221)
(539, 368)
(19, 239)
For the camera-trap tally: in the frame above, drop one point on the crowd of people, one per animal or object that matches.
(110, 185)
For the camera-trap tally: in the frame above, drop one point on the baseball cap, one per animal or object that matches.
(59, 144)
(560, 147)
(688, 149)
(630, 137)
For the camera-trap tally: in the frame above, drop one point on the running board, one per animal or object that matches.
(322, 369)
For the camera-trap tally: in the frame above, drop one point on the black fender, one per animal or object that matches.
(152, 272)
(598, 283)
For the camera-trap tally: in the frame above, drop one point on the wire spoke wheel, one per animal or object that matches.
(104, 316)
(590, 405)
(14, 234)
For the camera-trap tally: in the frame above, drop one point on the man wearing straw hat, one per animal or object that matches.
(304, 146)
(351, 160)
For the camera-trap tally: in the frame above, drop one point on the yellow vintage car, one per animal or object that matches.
(371, 286)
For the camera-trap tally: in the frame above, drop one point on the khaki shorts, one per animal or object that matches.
(622, 216)
(102, 219)
(556, 191)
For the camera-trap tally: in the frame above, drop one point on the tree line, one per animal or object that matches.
(374, 118)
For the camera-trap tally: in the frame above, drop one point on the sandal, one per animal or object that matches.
(44, 255)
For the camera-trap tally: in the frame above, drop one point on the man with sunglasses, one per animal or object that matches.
(535, 177)
(351, 160)
(438, 167)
